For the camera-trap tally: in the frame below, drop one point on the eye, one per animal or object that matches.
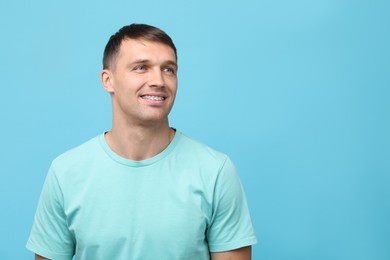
(140, 68)
(169, 70)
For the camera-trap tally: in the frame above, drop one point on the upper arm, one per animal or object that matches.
(38, 257)
(230, 225)
(244, 253)
(50, 235)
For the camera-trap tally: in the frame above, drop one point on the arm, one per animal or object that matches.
(50, 237)
(244, 253)
(230, 233)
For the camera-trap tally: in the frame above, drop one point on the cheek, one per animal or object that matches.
(172, 83)
(132, 84)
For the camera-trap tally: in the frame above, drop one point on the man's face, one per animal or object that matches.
(143, 81)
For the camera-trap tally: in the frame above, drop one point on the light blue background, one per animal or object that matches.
(296, 92)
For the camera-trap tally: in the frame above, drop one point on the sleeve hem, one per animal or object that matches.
(232, 245)
(48, 254)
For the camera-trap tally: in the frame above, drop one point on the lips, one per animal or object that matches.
(153, 98)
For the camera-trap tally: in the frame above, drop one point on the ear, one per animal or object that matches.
(107, 80)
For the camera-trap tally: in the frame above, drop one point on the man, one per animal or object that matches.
(142, 190)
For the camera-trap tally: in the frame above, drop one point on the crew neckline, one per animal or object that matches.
(141, 163)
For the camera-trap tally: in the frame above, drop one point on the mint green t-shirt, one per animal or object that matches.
(183, 203)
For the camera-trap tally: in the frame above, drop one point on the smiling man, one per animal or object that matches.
(142, 190)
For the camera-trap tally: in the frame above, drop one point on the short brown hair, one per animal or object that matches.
(134, 31)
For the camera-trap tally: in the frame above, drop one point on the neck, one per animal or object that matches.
(139, 142)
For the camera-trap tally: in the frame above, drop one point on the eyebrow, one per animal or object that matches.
(140, 61)
(146, 61)
(171, 63)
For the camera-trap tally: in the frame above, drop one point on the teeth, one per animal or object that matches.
(154, 98)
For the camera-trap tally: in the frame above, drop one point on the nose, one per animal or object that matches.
(156, 78)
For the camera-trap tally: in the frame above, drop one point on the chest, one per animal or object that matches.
(135, 216)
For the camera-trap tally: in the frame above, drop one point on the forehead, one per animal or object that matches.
(145, 49)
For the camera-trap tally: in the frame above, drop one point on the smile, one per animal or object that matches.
(153, 98)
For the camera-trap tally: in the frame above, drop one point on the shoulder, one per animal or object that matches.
(198, 155)
(78, 155)
(199, 150)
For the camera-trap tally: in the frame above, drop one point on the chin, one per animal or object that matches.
(155, 119)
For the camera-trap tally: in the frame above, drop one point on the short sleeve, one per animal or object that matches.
(230, 226)
(50, 236)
